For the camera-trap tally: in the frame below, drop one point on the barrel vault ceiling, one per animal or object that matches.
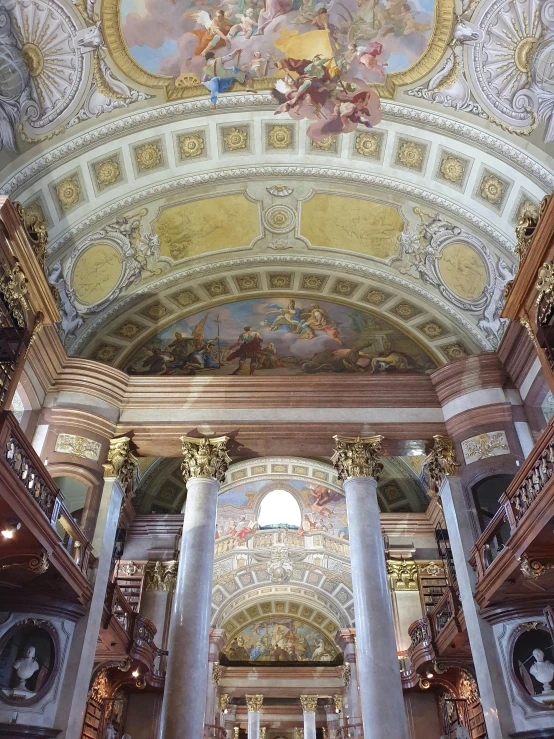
(170, 212)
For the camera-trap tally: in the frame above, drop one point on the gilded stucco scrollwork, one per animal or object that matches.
(160, 576)
(122, 463)
(357, 457)
(439, 463)
(205, 457)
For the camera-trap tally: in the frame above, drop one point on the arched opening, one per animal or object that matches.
(75, 493)
(279, 508)
(486, 494)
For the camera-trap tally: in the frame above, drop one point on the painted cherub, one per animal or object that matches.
(367, 55)
(246, 26)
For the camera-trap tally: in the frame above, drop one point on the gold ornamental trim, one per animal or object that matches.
(205, 457)
(254, 702)
(440, 463)
(357, 456)
(181, 89)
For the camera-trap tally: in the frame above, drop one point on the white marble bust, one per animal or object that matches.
(542, 670)
(109, 731)
(25, 667)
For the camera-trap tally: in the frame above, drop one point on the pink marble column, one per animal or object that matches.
(382, 702)
(184, 704)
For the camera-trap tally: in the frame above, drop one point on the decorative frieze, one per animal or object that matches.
(80, 446)
(402, 575)
(483, 446)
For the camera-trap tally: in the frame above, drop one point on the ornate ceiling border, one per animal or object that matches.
(323, 172)
(44, 162)
(282, 262)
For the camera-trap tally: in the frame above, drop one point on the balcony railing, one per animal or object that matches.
(530, 487)
(424, 632)
(34, 480)
(285, 537)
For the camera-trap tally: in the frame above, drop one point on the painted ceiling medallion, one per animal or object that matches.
(411, 155)
(47, 32)
(279, 219)
(501, 66)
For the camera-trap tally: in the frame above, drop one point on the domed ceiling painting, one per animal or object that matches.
(283, 337)
(199, 164)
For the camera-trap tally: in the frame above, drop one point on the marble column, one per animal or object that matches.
(309, 706)
(254, 704)
(382, 702)
(119, 474)
(218, 639)
(204, 466)
(346, 641)
(488, 669)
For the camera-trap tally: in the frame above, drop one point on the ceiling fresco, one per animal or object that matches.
(283, 337)
(190, 156)
(280, 639)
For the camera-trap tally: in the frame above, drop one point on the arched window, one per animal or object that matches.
(75, 493)
(279, 508)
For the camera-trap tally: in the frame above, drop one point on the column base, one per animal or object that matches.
(23, 731)
(534, 734)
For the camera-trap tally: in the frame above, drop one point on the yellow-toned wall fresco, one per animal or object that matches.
(96, 273)
(352, 223)
(193, 228)
(463, 270)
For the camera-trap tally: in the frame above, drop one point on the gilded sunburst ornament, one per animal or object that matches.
(410, 155)
(367, 144)
(68, 192)
(191, 146)
(235, 139)
(280, 137)
(492, 189)
(107, 172)
(149, 156)
(452, 169)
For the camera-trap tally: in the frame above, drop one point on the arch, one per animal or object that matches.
(278, 506)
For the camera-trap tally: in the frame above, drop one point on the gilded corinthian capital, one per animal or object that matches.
(309, 703)
(440, 462)
(121, 463)
(357, 456)
(254, 702)
(205, 457)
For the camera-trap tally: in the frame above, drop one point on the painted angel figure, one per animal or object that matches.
(215, 35)
(367, 55)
